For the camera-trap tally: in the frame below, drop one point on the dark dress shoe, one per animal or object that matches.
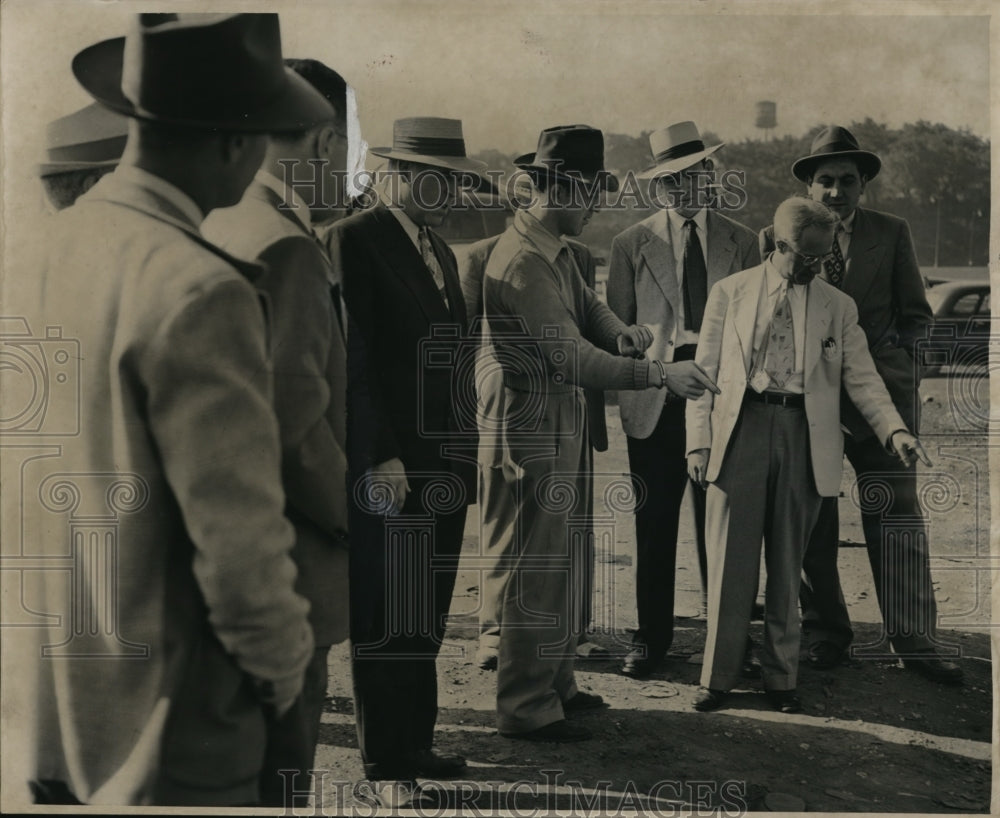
(708, 699)
(392, 795)
(430, 764)
(641, 662)
(750, 669)
(757, 614)
(825, 655)
(583, 701)
(487, 661)
(784, 700)
(935, 668)
(558, 731)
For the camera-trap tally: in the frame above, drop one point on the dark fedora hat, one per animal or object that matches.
(834, 142)
(430, 140)
(572, 153)
(211, 71)
(91, 138)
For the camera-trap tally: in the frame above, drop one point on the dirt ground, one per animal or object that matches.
(872, 737)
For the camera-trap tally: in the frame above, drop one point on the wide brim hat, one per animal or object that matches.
(571, 153)
(430, 140)
(206, 71)
(88, 139)
(676, 148)
(835, 142)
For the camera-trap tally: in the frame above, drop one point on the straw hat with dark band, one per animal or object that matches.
(676, 148)
(91, 138)
(429, 140)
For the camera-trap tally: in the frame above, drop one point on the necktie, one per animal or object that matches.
(338, 308)
(835, 264)
(694, 285)
(427, 254)
(780, 358)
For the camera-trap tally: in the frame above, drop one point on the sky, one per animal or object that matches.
(509, 69)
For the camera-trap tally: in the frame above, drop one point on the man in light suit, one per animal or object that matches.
(769, 447)
(472, 265)
(273, 225)
(165, 694)
(875, 264)
(412, 467)
(661, 272)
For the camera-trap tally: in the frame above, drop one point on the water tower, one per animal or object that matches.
(767, 117)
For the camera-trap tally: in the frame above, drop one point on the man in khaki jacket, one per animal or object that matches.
(175, 640)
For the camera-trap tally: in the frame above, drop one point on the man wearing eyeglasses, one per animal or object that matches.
(874, 262)
(769, 447)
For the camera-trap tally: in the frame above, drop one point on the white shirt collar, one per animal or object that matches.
(161, 187)
(287, 195)
(677, 222)
(848, 223)
(773, 280)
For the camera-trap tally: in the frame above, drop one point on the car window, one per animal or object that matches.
(968, 304)
(984, 308)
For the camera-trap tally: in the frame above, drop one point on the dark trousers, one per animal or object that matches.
(896, 538)
(402, 577)
(659, 471)
(285, 780)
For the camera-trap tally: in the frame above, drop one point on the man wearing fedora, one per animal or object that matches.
(166, 693)
(81, 147)
(660, 273)
(874, 262)
(273, 225)
(551, 336)
(472, 266)
(412, 466)
(769, 447)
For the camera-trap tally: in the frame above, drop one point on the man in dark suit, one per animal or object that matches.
(472, 265)
(661, 271)
(410, 483)
(273, 224)
(874, 262)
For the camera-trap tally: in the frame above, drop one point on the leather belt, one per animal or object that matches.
(778, 399)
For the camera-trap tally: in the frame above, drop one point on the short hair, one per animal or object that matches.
(63, 189)
(328, 82)
(796, 214)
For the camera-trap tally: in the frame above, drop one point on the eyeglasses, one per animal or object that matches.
(812, 260)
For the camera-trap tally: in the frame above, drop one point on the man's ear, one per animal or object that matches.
(323, 140)
(864, 181)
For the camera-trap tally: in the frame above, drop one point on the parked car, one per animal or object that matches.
(962, 328)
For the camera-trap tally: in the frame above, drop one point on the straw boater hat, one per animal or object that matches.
(675, 148)
(430, 140)
(88, 139)
(207, 71)
(834, 142)
(572, 153)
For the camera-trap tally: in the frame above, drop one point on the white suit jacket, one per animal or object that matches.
(836, 352)
(643, 289)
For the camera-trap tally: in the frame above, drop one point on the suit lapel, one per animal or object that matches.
(744, 313)
(863, 257)
(658, 253)
(817, 321)
(721, 249)
(401, 257)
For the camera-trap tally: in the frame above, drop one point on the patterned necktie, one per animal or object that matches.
(427, 254)
(780, 358)
(835, 264)
(694, 285)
